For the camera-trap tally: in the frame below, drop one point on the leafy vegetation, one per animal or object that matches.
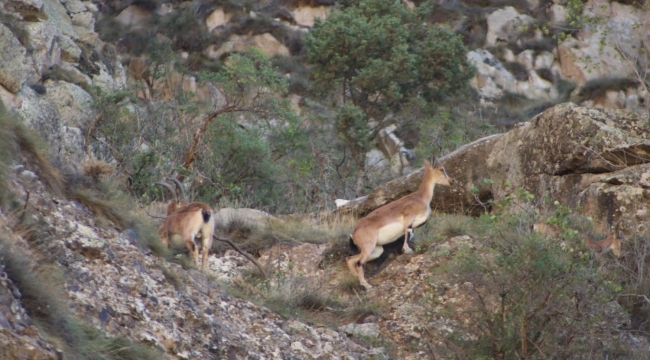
(528, 295)
(380, 59)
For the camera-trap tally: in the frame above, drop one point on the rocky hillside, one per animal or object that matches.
(82, 276)
(114, 282)
(117, 286)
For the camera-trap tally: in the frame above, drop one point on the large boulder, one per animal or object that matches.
(16, 66)
(216, 18)
(505, 25)
(72, 102)
(64, 140)
(607, 48)
(589, 159)
(492, 79)
(466, 165)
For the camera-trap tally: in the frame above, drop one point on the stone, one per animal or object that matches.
(597, 159)
(558, 14)
(361, 330)
(29, 10)
(84, 20)
(16, 66)
(307, 15)
(252, 217)
(73, 103)
(505, 25)
(607, 48)
(492, 77)
(69, 50)
(9, 99)
(525, 58)
(74, 6)
(544, 60)
(216, 19)
(133, 16)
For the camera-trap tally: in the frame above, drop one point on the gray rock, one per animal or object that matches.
(362, 330)
(72, 102)
(16, 66)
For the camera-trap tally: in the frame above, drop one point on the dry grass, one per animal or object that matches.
(255, 237)
(104, 198)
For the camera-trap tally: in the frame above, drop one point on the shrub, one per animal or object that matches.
(530, 296)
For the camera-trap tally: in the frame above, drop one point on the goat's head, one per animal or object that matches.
(436, 173)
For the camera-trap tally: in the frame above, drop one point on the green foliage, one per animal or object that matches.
(379, 48)
(530, 296)
(353, 129)
(241, 149)
(251, 73)
(451, 126)
(379, 56)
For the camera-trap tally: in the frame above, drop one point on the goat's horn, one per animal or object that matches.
(179, 186)
(170, 188)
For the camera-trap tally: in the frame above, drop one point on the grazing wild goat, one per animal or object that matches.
(394, 220)
(187, 222)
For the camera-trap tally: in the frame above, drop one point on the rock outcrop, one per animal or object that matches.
(51, 55)
(595, 159)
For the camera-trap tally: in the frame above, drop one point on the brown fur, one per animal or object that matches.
(188, 221)
(393, 220)
(611, 242)
(546, 229)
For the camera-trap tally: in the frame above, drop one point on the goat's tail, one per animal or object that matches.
(206, 215)
(353, 246)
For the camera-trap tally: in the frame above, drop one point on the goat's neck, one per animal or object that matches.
(425, 191)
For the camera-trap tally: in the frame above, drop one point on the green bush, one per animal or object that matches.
(531, 296)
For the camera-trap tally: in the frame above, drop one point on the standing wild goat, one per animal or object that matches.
(611, 242)
(394, 220)
(187, 221)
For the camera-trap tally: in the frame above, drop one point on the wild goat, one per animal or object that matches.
(394, 220)
(187, 221)
(611, 242)
(546, 229)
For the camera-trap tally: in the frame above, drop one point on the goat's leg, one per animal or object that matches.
(194, 250)
(352, 260)
(365, 256)
(206, 243)
(409, 233)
